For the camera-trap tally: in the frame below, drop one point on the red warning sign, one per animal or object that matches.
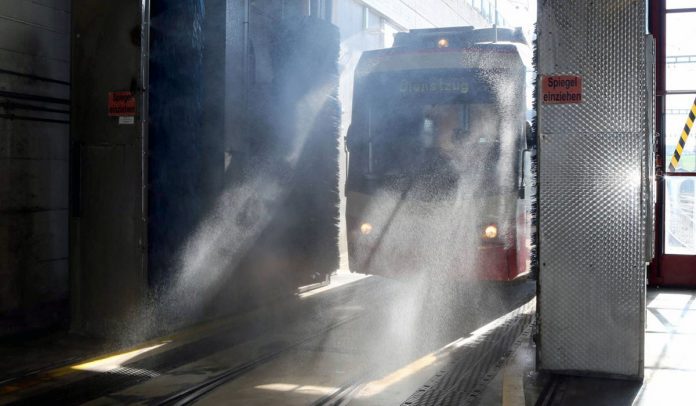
(561, 89)
(121, 104)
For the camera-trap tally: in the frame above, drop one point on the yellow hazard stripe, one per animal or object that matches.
(679, 150)
(674, 162)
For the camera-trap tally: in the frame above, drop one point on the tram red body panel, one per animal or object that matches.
(500, 263)
(496, 263)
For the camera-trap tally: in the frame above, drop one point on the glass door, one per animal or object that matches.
(676, 92)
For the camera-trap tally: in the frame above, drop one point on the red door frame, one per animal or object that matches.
(666, 270)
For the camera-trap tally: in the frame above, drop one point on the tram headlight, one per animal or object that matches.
(365, 228)
(491, 231)
(443, 43)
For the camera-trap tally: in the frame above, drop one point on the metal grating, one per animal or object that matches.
(594, 203)
(474, 366)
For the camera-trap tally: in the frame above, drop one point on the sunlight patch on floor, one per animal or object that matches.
(337, 280)
(115, 361)
(303, 389)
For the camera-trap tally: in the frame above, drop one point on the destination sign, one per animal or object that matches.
(441, 85)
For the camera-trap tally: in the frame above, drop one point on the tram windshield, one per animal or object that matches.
(412, 139)
(433, 144)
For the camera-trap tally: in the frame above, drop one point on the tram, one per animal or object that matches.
(439, 156)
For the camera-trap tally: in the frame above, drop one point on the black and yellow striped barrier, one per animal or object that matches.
(682, 140)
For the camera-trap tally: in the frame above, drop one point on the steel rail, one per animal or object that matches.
(342, 396)
(195, 392)
(88, 386)
(549, 391)
(30, 373)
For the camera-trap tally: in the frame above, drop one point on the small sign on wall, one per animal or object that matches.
(126, 119)
(562, 89)
(123, 106)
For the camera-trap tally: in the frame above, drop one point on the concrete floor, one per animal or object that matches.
(670, 349)
(670, 366)
(364, 341)
(377, 338)
(384, 352)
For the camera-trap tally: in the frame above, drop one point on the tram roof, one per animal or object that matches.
(457, 37)
(476, 56)
(466, 48)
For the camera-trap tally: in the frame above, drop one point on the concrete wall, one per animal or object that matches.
(34, 78)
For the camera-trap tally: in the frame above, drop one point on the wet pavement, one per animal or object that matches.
(369, 340)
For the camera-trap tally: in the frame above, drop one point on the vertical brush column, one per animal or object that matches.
(178, 147)
(305, 141)
(592, 143)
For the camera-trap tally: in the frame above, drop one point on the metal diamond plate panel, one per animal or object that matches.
(594, 203)
(591, 253)
(605, 43)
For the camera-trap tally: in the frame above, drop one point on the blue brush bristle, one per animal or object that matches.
(535, 164)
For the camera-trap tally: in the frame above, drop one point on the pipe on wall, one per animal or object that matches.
(144, 126)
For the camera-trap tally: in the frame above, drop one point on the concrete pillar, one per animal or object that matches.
(108, 222)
